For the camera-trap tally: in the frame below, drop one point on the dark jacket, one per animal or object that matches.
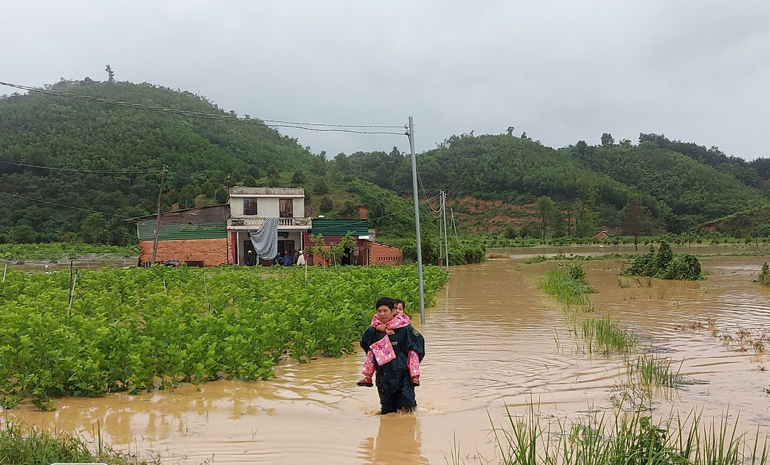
(394, 375)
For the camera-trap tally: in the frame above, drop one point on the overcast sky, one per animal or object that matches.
(561, 70)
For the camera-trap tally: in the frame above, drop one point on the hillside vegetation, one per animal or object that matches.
(578, 188)
(74, 169)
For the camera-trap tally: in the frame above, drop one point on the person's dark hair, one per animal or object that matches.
(385, 301)
(398, 301)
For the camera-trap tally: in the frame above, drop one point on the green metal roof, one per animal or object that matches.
(172, 232)
(340, 227)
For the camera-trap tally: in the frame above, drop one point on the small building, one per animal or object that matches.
(604, 235)
(365, 252)
(196, 236)
(221, 234)
(250, 206)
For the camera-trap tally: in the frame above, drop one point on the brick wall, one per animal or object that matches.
(212, 252)
(383, 254)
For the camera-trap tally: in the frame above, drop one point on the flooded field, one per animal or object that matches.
(493, 339)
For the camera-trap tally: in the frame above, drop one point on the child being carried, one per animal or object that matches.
(400, 320)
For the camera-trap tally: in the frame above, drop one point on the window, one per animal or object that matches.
(249, 206)
(287, 208)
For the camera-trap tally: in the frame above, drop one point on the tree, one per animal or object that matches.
(586, 214)
(110, 74)
(253, 171)
(511, 233)
(319, 249)
(249, 181)
(344, 247)
(342, 162)
(547, 213)
(633, 220)
(320, 186)
(187, 197)
(318, 164)
(326, 205)
(221, 195)
(94, 229)
(348, 209)
(272, 176)
(23, 234)
(298, 177)
(207, 189)
(607, 140)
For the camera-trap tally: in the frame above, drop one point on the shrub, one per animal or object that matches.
(665, 265)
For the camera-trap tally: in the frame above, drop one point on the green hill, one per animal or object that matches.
(676, 191)
(108, 158)
(754, 222)
(73, 168)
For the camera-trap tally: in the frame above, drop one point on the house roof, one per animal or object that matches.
(195, 215)
(340, 227)
(174, 232)
(241, 191)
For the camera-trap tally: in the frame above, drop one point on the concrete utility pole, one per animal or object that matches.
(410, 134)
(440, 231)
(157, 221)
(446, 236)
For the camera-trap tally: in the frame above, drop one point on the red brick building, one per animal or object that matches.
(364, 252)
(196, 236)
(212, 236)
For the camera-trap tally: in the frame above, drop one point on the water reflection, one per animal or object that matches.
(398, 441)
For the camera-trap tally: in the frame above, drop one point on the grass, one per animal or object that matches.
(650, 370)
(607, 335)
(30, 446)
(627, 438)
(560, 256)
(565, 289)
(602, 334)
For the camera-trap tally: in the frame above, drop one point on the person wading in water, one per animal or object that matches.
(391, 359)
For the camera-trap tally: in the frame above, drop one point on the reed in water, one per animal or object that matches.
(623, 439)
(22, 445)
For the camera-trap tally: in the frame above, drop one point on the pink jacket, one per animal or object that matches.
(398, 321)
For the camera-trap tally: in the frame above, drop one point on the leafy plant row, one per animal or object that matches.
(139, 329)
(55, 251)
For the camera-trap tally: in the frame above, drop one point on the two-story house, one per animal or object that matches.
(220, 234)
(250, 206)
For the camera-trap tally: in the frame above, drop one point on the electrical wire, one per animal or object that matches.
(355, 222)
(58, 204)
(74, 169)
(335, 125)
(434, 211)
(322, 127)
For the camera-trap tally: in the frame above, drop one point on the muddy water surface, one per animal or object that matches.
(492, 340)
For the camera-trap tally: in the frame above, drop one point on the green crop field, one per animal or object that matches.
(140, 329)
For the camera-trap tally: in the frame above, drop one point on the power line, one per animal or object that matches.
(335, 125)
(322, 127)
(57, 204)
(352, 222)
(74, 169)
(434, 211)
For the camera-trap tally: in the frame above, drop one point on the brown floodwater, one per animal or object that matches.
(493, 340)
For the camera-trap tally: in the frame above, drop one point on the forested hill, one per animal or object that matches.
(752, 173)
(62, 159)
(108, 158)
(592, 182)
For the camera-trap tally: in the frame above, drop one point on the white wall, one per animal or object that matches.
(267, 207)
